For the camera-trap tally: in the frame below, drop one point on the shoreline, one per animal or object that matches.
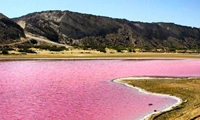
(126, 56)
(90, 58)
(93, 58)
(148, 116)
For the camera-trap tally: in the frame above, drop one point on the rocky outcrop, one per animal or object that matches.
(84, 29)
(10, 31)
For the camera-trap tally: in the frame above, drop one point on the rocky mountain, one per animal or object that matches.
(84, 29)
(10, 31)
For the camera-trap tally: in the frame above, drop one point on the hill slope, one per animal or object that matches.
(84, 29)
(10, 31)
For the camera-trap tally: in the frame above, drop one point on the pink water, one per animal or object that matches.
(83, 89)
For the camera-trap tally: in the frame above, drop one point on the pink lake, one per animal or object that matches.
(83, 89)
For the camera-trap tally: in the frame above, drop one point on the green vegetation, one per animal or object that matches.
(172, 49)
(27, 51)
(102, 48)
(24, 46)
(33, 41)
(5, 52)
(51, 48)
(90, 47)
(122, 48)
(118, 48)
(139, 49)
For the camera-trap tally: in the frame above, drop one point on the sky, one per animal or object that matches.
(182, 12)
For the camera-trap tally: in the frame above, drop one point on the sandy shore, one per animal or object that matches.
(188, 89)
(147, 117)
(60, 55)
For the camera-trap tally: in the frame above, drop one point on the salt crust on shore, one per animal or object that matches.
(147, 117)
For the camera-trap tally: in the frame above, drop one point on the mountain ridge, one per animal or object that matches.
(85, 29)
(10, 31)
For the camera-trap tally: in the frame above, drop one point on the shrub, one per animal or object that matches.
(33, 41)
(27, 51)
(5, 52)
(118, 50)
(101, 49)
(172, 49)
(55, 48)
(51, 48)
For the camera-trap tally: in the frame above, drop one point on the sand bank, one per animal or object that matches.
(147, 117)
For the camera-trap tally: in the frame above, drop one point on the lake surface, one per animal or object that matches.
(83, 89)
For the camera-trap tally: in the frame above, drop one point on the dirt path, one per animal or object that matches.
(36, 38)
(15, 43)
(45, 40)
